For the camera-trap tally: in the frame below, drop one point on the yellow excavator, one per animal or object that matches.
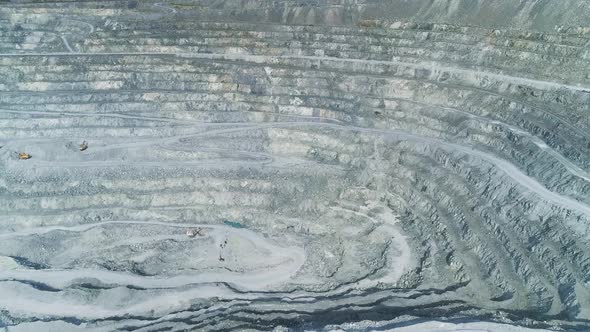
(24, 156)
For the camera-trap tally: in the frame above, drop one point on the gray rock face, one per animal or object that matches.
(294, 165)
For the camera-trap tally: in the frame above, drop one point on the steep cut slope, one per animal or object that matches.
(298, 165)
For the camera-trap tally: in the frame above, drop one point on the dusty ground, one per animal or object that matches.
(208, 165)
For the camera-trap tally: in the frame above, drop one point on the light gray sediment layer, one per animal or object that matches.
(294, 165)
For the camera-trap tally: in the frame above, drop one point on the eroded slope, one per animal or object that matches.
(345, 169)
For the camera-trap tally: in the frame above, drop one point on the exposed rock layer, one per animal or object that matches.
(349, 165)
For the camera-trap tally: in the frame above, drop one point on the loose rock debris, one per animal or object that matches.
(363, 169)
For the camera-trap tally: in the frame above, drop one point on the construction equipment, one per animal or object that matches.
(83, 146)
(24, 156)
(195, 231)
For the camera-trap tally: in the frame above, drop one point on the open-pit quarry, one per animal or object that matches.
(295, 165)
